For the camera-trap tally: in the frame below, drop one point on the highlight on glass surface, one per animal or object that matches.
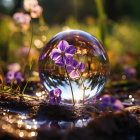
(76, 63)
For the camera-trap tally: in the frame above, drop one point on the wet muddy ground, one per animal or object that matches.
(27, 118)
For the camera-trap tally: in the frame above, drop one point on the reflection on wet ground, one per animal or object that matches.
(21, 125)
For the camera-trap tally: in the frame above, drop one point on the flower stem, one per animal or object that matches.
(70, 86)
(24, 87)
(30, 41)
(83, 87)
(16, 95)
(28, 57)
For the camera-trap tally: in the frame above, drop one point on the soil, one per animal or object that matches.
(104, 126)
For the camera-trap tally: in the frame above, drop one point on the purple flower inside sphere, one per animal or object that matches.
(64, 54)
(75, 68)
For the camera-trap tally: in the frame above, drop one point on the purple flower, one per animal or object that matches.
(64, 54)
(22, 19)
(14, 67)
(22, 52)
(75, 68)
(55, 96)
(14, 76)
(36, 11)
(129, 72)
(109, 101)
(30, 4)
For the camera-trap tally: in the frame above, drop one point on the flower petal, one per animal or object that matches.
(55, 54)
(52, 101)
(75, 63)
(69, 68)
(112, 100)
(58, 99)
(71, 50)
(10, 75)
(57, 92)
(18, 75)
(74, 74)
(69, 59)
(115, 108)
(108, 99)
(60, 62)
(81, 67)
(62, 45)
(104, 105)
(51, 93)
(7, 80)
(117, 105)
(14, 67)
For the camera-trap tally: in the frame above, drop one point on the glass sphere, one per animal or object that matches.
(73, 67)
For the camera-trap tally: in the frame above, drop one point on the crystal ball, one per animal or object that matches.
(73, 67)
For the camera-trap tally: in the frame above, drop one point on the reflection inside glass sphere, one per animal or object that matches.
(73, 67)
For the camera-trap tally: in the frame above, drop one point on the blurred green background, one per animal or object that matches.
(116, 23)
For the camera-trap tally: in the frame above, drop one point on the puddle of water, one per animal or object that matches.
(23, 126)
